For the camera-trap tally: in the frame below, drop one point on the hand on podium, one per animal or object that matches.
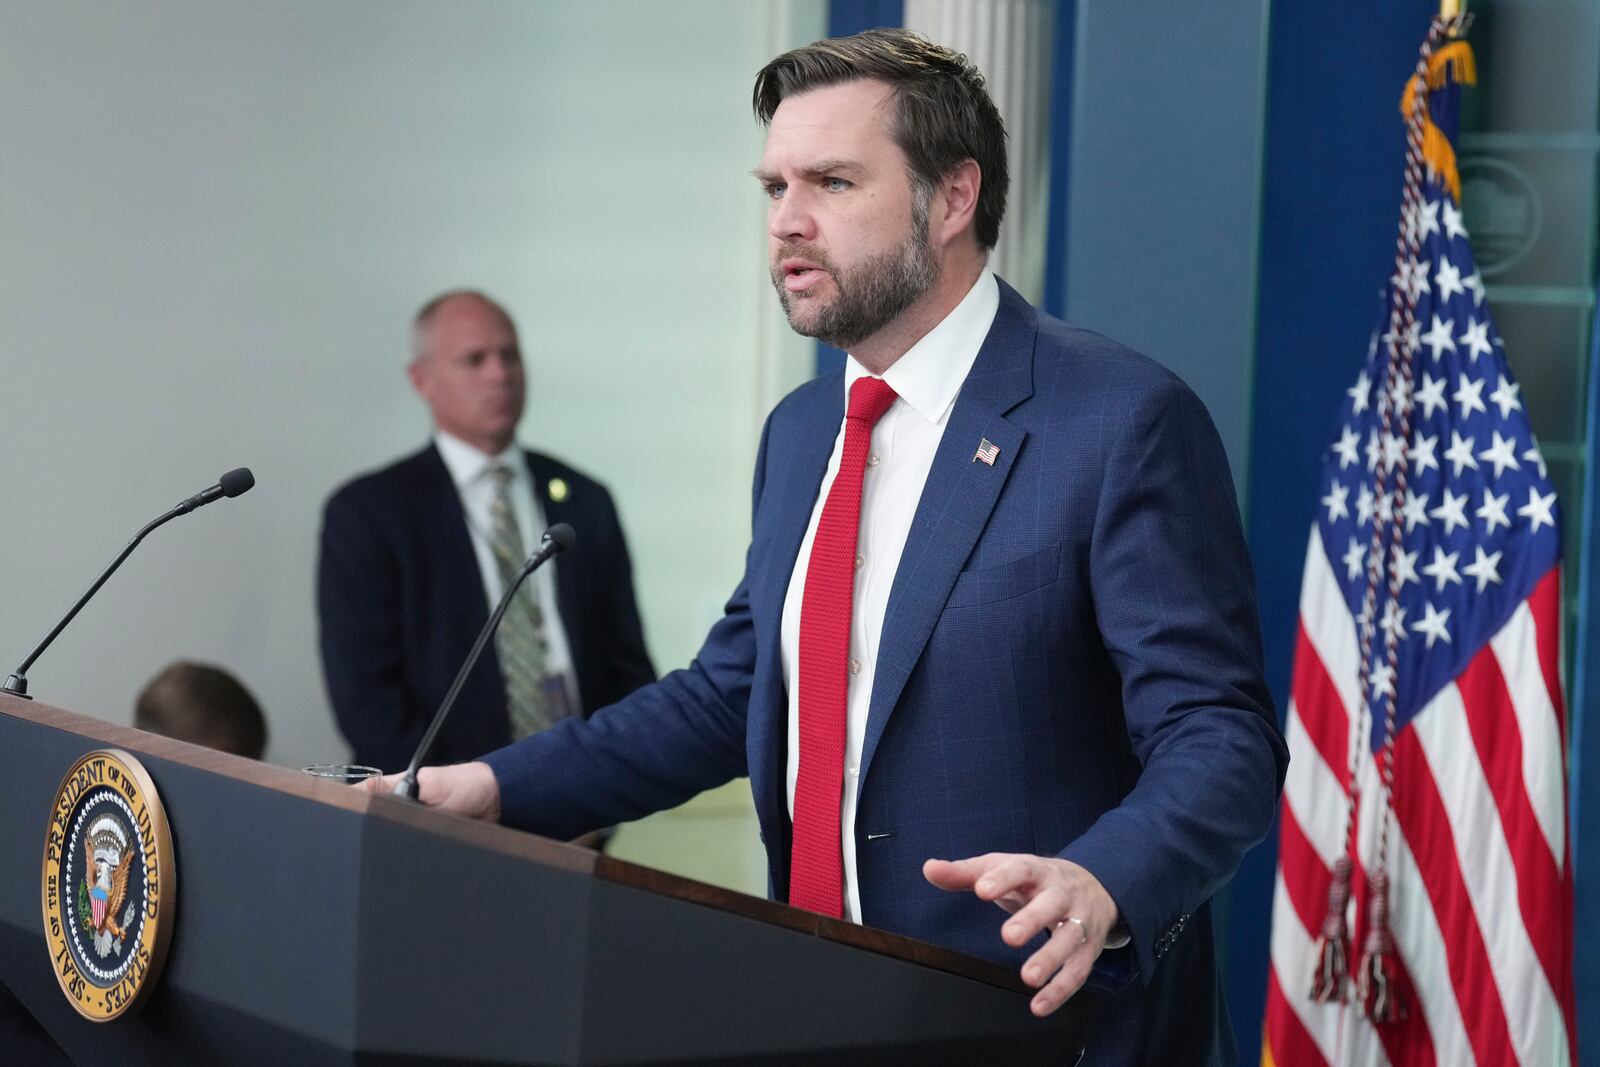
(1044, 895)
(466, 789)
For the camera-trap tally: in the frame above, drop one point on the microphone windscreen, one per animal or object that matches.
(237, 481)
(561, 536)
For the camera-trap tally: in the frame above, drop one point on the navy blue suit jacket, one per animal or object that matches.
(1070, 665)
(400, 600)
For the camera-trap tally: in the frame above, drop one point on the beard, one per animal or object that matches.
(871, 294)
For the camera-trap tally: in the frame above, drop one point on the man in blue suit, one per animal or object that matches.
(408, 570)
(996, 605)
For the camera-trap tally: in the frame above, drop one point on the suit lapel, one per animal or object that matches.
(957, 499)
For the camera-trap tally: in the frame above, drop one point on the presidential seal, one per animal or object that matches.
(108, 885)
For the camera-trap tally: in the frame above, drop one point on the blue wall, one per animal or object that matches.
(1166, 103)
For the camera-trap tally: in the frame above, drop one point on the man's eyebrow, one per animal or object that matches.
(815, 170)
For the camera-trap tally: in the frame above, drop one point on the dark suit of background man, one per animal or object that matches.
(1036, 645)
(413, 559)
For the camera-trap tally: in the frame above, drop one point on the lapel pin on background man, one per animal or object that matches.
(1044, 657)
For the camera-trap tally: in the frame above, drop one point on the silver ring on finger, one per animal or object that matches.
(1082, 931)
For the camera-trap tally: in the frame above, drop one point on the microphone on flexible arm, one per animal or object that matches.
(556, 540)
(234, 483)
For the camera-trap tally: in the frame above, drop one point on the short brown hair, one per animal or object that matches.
(943, 114)
(204, 705)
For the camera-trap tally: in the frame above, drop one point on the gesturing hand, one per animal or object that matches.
(1042, 893)
(468, 789)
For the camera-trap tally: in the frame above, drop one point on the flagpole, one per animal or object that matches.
(1449, 9)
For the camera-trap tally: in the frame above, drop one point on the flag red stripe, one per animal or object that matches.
(1545, 603)
(1421, 815)
(1322, 713)
(1291, 1045)
(1492, 724)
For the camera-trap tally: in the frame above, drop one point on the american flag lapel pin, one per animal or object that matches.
(987, 451)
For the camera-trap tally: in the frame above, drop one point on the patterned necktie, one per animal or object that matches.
(520, 640)
(816, 880)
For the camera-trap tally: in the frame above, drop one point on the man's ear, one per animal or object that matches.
(957, 202)
(415, 375)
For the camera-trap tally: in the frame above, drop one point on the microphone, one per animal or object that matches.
(556, 540)
(233, 483)
(236, 482)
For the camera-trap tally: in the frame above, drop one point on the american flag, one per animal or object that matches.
(1429, 642)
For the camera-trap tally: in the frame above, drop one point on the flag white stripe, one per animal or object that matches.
(1516, 647)
(1484, 858)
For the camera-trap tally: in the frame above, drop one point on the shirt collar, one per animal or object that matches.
(930, 374)
(466, 464)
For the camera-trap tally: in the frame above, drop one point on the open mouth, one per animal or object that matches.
(798, 277)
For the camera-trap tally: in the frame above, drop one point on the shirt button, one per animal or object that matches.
(855, 666)
(872, 460)
(860, 562)
(854, 770)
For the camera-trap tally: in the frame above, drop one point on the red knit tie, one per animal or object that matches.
(816, 878)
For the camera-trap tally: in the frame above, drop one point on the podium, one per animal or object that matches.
(316, 924)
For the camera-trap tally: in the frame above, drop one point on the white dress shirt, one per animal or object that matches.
(926, 380)
(469, 470)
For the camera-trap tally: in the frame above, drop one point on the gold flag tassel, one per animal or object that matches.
(1451, 63)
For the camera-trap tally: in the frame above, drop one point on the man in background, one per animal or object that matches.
(203, 705)
(415, 556)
